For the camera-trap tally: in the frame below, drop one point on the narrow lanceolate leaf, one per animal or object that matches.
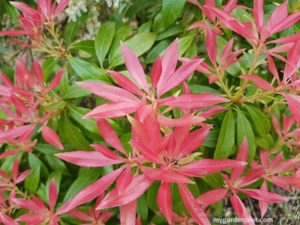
(52, 194)
(193, 101)
(164, 201)
(192, 205)
(134, 190)
(186, 120)
(294, 105)
(104, 38)
(244, 129)
(112, 110)
(128, 213)
(258, 12)
(87, 159)
(108, 92)
(171, 10)
(211, 45)
(134, 67)
(263, 195)
(14, 132)
(6, 220)
(293, 61)
(193, 140)
(56, 80)
(260, 83)
(241, 210)
(180, 75)
(109, 135)
(226, 139)
(90, 192)
(208, 166)
(211, 197)
(51, 137)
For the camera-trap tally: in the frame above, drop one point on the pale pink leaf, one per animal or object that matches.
(51, 137)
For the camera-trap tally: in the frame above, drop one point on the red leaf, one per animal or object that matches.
(294, 106)
(108, 92)
(261, 83)
(14, 33)
(164, 201)
(56, 80)
(278, 15)
(168, 64)
(186, 120)
(293, 61)
(125, 83)
(134, 67)
(211, 45)
(87, 158)
(128, 213)
(208, 166)
(193, 101)
(156, 72)
(14, 133)
(6, 220)
(180, 75)
(52, 194)
(134, 190)
(258, 11)
(90, 192)
(193, 141)
(51, 137)
(112, 110)
(264, 196)
(241, 210)
(211, 197)
(192, 206)
(60, 7)
(109, 135)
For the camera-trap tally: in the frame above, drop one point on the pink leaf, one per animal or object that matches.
(112, 110)
(14, 33)
(156, 72)
(164, 201)
(124, 180)
(168, 64)
(38, 72)
(263, 206)
(192, 206)
(128, 213)
(211, 197)
(294, 106)
(56, 80)
(211, 45)
(87, 158)
(14, 133)
(90, 192)
(60, 7)
(278, 15)
(134, 67)
(125, 83)
(241, 210)
(6, 220)
(288, 39)
(108, 92)
(31, 205)
(186, 120)
(51, 137)
(208, 166)
(193, 141)
(261, 83)
(293, 61)
(52, 194)
(258, 12)
(193, 101)
(287, 22)
(109, 135)
(263, 195)
(180, 75)
(134, 190)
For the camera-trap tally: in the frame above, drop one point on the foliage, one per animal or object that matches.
(170, 110)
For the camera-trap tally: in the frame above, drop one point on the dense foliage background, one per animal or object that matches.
(84, 45)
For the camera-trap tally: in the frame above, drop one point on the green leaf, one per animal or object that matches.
(226, 139)
(73, 28)
(142, 208)
(139, 44)
(261, 122)
(156, 50)
(85, 45)
(77, 113)
(75, 91)
(48, 67)
(172, 31)
(32, 180)
(171, 10)
(85, 177)
(244, 130)
(185, 43)
(87, 70)
(56, 164)
(152, 196)
(104, 40)
(73, 135)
